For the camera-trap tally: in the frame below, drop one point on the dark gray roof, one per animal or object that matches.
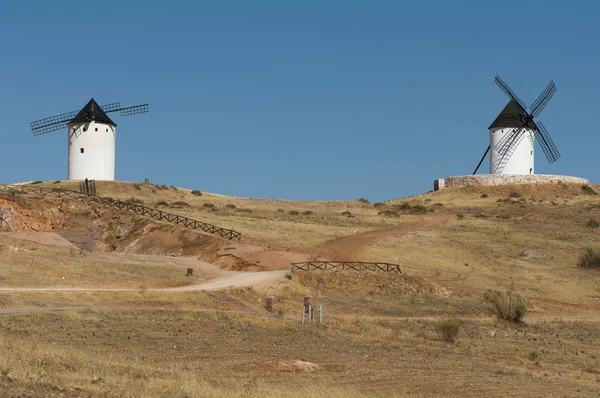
(513, 115)
(92, 112)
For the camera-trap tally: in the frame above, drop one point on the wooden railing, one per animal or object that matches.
(344, 266)
(124, 205)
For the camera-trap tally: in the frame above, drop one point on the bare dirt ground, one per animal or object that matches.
(348, 248)
(45, 238)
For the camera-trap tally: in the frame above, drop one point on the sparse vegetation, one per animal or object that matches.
(347, 214)
(589, 257)
(137, 186)
(195, 192)
(208, 205)
(134, 200)
(293, 213)
(586, 189)
(230, 206)
(449, 329)
(592, 223)
(37, 182)
(484, 196)
(510, 306)
(161, 203)
(514, 194)
(307, 213)
(57, 182)
(460, 216)
(180, 204)
(363, 201)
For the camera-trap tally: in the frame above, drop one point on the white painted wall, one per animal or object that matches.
(97, 162)
(520, 162)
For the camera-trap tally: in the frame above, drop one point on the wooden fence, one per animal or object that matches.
(124, 205)
(344, 266)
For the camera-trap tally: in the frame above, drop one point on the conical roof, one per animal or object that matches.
(92, 113)
(513, 115)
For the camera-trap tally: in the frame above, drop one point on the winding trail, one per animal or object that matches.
(348, 248)
(227, 280)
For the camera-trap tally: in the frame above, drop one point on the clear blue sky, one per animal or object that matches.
(297, 100)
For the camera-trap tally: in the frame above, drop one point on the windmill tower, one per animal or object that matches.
(91, 138)
(513, 134)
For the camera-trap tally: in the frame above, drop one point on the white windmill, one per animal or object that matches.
(91, 135)
(513, 134)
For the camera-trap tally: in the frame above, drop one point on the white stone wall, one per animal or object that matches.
(520, 160)
(504, 179)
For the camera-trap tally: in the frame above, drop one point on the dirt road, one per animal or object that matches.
(348, 248)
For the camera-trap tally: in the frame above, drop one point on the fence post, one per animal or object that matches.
(320, 314)
(303, 313)
(309, 311)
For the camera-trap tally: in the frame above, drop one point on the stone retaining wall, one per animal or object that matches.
(503, 179)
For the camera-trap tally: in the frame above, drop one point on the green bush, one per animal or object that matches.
(346, 214)
(589, 257)
(293, 213)
(460, 216)
(510, 306)
(57, 182)
(196, 192)
(161, 203)
(484, 195)
(288, 276)
(514, 194)
(307, 213)
(363, 201)
(229, 206)
(208, 205)
(449, 329)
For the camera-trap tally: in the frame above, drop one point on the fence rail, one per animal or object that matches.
(344, 266)
(124, 205)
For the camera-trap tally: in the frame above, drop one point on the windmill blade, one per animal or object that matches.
(543, 99)
(58, 122)
(508, 138)
(481, 161)
(115, 106)
(546, 143)
(507, 90)
(134, 110)
(508, 150)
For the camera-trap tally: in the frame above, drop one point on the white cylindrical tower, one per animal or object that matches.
(92, 145)
(92, 151)
(511, 141)
(518, 159)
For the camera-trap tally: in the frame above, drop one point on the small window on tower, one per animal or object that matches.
(96, 128)
(107, 130)
(531, 153)
(84, 128)
(81, 149)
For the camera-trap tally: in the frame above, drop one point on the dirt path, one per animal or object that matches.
(348, 248)
(227, 280)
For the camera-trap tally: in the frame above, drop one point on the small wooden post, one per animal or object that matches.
(320, 313)
(271, 303)
(303, 313)
(190, 271)
(309, 313)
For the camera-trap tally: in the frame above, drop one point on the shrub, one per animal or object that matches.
(592, 224)
(134, 200)
(229, 206)
(363, 201)
(288, 276)
(244, 210)
(419, 209)
(379, 204)
(347, 214)
(481, 215)
(37, 182)
(208, 205)
(589, 257)
(448, 329)
(137, 186)
(163, 186)
(388, 213)
(484, 195)
(460, 216)
(173, 187)
(195, 192)
(588, 190)
(438, 204)
(307, 213)
(293, 213)
(180, 203)
(57, 182)
(510, 306)
(514, 194)
(161, 203)
(280, 211)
